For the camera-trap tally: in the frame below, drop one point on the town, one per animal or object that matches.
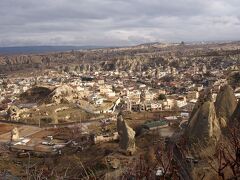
(111, 111)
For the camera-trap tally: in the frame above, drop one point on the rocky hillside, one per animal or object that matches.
(134, 58)
(40, 94)
(35, 94)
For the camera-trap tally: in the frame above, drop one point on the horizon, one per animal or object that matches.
(43, 49)
(102, 46)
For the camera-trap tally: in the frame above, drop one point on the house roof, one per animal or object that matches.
(153, 124)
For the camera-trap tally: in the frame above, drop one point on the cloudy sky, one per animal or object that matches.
(117, 22)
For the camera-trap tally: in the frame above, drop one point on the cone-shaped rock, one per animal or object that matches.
(204, 125)
(225, 104)
(126, 136)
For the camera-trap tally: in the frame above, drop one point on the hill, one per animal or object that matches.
(41, 49)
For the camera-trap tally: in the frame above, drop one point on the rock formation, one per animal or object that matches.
(225, 104)
(126, 136)
(205, 95)
(236, 115)
(61, 94)
(35, 94)
(13, 113)
(15, 134)
(135, 58)
(204, 125)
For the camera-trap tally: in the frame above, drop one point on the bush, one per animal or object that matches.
(162, 97)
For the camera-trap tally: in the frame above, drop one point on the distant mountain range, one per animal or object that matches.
(42, 49)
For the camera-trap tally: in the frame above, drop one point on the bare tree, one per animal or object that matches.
(228, 154)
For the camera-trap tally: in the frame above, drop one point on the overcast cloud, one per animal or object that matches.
(116, 22)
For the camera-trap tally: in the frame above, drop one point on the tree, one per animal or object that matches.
(228, 154)
(162, 97)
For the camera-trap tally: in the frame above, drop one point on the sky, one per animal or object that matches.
(117, 22)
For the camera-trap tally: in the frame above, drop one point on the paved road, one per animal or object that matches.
(24, 131)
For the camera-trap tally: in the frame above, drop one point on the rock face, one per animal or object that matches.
(204, 125)
(15, 134)
(126, 136)
(236, 115)
(61, 94)
(13, 113)
(205, 95)
(225, 104)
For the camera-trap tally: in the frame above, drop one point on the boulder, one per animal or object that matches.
(225, 105)
(126, 136)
